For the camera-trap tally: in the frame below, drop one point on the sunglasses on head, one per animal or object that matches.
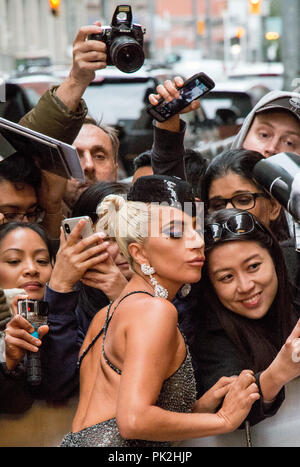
(237, 224)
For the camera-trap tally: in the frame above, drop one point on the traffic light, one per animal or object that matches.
(54, 7)
(240, 32)
(254, 7)
(272, 35)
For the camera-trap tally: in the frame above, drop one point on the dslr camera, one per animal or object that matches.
(124, 41)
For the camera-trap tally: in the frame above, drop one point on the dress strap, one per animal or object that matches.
(105, 326)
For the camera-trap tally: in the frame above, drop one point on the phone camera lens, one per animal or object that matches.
(67, 227)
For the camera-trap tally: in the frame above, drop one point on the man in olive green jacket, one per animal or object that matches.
(60, 114)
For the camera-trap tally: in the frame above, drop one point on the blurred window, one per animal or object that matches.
(117, 100)
(220, 100)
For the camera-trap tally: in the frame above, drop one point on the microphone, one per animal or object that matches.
(280, 176)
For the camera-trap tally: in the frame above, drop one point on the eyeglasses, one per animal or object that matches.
(34, 216)
(240, 201)
(237, 224)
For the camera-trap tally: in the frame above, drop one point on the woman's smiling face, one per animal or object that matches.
(244, 277)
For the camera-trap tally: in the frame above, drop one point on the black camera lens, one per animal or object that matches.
(67, 228)
(127, 54)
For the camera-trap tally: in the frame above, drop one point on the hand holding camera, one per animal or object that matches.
(87, 56)
(36, 313)
(19, 339)
(124, 41)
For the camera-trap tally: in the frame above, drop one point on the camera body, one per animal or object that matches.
(36, 312)
(124, 41)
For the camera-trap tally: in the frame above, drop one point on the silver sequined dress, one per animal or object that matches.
(178, 394)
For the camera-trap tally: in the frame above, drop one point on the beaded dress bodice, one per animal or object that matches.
(178, 394)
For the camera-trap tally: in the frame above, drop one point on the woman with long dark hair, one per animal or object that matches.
(248, 314)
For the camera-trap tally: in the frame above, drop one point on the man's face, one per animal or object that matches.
(97, 161)
(272, 133)
(16, 199)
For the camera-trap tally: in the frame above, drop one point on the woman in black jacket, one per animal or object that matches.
(247, 318)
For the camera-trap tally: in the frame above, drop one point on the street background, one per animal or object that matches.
(248, 47)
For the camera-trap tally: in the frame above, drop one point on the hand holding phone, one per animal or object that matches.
(82, 250)
(69, 224)
(193, 88)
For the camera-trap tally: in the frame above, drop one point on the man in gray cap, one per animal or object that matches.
(271, 127)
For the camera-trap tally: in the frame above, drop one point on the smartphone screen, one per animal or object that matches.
(188, 93)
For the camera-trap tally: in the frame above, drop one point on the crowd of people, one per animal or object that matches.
(178, 318)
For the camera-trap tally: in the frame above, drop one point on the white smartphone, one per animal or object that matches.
(69, 224)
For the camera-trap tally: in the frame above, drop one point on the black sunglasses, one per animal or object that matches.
(237, 224)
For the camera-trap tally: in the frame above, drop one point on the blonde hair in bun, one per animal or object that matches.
(126, 221)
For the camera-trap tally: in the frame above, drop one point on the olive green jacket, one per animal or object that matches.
(52, 118)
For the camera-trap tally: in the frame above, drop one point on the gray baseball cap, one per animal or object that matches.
(290, 104)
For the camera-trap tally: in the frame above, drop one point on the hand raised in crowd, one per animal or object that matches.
(18, 338)
(75, 257)
(107, 277)
(284, 368)
(242, 394)
(88, 56)
(169, 91)
(50, 201)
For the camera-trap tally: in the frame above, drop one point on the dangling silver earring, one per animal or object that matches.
(159, 290)
(185, 290)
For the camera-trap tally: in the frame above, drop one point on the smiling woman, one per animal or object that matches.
(248, 309)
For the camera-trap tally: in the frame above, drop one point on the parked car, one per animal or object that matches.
(22, 92)
(119, 99)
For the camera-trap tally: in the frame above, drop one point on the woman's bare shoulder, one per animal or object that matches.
(98, 320)
(150, 310)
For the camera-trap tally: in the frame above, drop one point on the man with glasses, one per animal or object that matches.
(25, 194)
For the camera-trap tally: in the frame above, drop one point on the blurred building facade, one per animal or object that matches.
(228, 30)
(174, 25)
(28, 29)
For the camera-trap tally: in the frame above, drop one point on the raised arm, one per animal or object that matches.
(60, 354)
(284, 368)
(61, 111)
(168, 146)
(60, 114)
(150, 358)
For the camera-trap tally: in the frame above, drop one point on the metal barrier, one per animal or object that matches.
(281, 430)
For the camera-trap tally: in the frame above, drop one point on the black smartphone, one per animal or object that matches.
(193, 88)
